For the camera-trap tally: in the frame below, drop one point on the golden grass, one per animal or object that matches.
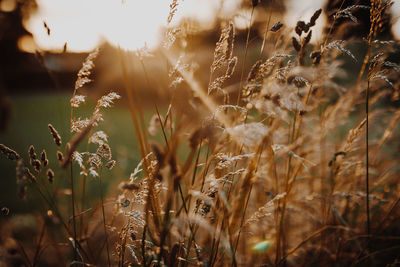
(265, 179)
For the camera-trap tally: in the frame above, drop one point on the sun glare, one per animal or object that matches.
(130, 24)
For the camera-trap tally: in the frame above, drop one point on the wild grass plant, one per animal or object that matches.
(288, 168)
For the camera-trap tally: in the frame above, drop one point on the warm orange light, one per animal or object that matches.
(84, 24)
(8, 5)
(27, 44)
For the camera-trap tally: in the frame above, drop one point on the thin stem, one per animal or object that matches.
(265, 33)
(104, 220)
(23, 252)
(53, 206)
(36, 258)
(244, 58)
(291, 136)
(316, 233)
(83, 196)
(73, 209)
(367, 158)
(241, 227)
(333, 24)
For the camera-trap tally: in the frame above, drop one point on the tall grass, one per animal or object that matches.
(287, 169)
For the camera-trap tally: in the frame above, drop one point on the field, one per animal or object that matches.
(278, 152)
(32, 113)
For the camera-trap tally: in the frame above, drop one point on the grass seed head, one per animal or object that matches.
(60, 156)
(50, 175)
(316, 57)
(301, 27)
(314, 17)
(43, 158)
(9, 153)
(73, 144)
(104, 151)
(110, 164)
(296, 44)
(36, 165)
(277, 26)
(32, 153)
(54, 133)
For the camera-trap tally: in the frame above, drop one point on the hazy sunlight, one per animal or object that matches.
(129, 24)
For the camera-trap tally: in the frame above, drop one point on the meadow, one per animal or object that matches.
(280, 152)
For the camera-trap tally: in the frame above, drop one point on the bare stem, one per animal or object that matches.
(73, 210)
(367, 158)
(104, 220)
(244, 58)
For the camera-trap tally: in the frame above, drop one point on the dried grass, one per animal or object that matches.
(277, 178)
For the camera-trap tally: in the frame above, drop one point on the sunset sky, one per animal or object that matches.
(84, 24)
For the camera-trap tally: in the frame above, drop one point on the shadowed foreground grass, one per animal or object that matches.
(28, 126)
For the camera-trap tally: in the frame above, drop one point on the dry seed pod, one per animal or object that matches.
(60, 156)
(10, 154)
(296, 44)
(314, 17)
(316, 57)
(54, 133)
(104, 151)
(254, 71)
(276, 27)
(109, 165)
(301, 26)
(43, 157)
(36, 165)
(50, 175)
(254, 3)
(32, 153)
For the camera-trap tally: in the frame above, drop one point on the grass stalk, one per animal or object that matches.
(73, 210)
(104, 219)
(245, 57)
(367, 159)
(39, 245)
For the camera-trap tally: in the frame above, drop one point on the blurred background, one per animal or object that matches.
(44, 42)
